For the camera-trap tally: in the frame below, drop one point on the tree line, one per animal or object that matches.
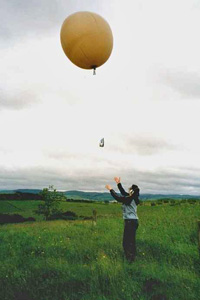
(20, 196)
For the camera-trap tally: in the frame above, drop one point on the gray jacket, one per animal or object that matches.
(129, 203)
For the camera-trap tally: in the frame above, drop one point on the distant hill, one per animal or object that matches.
(7, 191)
(88, 195)
(31, 191)
(107, 196)
(80, 195)
(168, 196)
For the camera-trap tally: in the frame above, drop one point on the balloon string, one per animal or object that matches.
(94, 69)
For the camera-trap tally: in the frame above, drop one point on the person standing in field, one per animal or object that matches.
(129, 202)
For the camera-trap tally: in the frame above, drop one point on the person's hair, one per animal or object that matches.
(136, 192)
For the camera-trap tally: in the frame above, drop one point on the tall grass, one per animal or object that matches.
(65, 260)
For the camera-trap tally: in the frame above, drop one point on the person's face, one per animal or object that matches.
(130, 191)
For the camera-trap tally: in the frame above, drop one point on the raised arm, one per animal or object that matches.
(123, 199)
(122, 190)
(120, 187)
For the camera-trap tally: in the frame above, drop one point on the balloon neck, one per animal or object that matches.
(94, 69)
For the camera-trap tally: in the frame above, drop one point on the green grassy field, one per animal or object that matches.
(65, 260)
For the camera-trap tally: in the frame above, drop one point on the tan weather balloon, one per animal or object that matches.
(86, 39)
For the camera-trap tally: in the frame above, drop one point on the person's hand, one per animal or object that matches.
(108, 187)
(117, 179)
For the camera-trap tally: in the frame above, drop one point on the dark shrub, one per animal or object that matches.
(68, 215)
(6, 218)
(30, 219)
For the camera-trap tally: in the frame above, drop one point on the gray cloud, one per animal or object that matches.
(143, 145)
(149, 146)
(63, 155)
(20, 18)
(39, 177)
(18, 100)
(165, 181)
(162, 181)
(185, 83)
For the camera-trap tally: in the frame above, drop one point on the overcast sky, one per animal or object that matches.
(145, 100)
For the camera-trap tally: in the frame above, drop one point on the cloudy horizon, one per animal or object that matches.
(145, 100)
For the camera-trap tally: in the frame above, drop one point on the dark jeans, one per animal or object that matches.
(129, 241)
